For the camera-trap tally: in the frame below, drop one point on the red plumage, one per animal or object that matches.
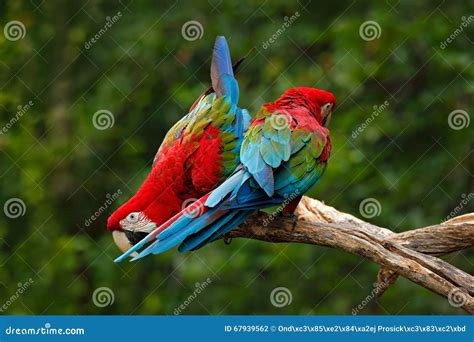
(295, 99)
(181, 172)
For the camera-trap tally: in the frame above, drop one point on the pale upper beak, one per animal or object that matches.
(327, 119)
(122, 241)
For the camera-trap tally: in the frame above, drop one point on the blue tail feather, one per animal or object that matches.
(218, 194)
(195, 240)
(231, 226)
(222, 75)
(186, 222)
(163, 244)
(237, 220)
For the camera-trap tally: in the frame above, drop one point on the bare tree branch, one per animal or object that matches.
(412, 254)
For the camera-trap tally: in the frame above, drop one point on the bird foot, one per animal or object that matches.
(227, 239)
(292, 217)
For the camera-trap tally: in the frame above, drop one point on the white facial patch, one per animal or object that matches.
(137, 222)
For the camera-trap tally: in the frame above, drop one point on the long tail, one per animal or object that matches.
(199, 232)
(200, 223)
(228, 222)
(187, 212)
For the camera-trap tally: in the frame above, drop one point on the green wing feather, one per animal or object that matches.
(304, 169)
(284, 153)
(210, 110)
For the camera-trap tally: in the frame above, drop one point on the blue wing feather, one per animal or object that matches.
(234, 223)
(226, 188)
(197, 239)
(222, 76)
(180, 233)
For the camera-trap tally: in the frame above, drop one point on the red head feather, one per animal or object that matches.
(137, 203)
(310, 98)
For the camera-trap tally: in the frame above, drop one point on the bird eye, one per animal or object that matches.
(327, 106)
(133, 217)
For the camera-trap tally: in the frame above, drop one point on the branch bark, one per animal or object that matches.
(412, 254)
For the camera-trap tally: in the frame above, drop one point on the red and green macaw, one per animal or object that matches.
(283, 155)
(198, 153)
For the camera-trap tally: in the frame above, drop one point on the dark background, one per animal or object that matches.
(146, 74)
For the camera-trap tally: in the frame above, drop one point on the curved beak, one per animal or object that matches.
(122, 242)
(327, 118)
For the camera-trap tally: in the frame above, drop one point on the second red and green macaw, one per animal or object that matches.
(284, 154)
(198, 153)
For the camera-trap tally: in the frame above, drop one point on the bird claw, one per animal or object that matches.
(292, 217)
(227, 239)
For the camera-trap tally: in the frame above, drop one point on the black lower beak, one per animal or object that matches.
(134, 237)
(326, 119)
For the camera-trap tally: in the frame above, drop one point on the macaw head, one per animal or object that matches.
(128, 224)
(138, 217)
(319, 102)
(134, 204)
(133, 228)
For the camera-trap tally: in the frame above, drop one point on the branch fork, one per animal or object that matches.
(412, 254)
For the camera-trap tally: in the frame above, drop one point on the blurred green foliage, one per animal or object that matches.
(144, 72)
